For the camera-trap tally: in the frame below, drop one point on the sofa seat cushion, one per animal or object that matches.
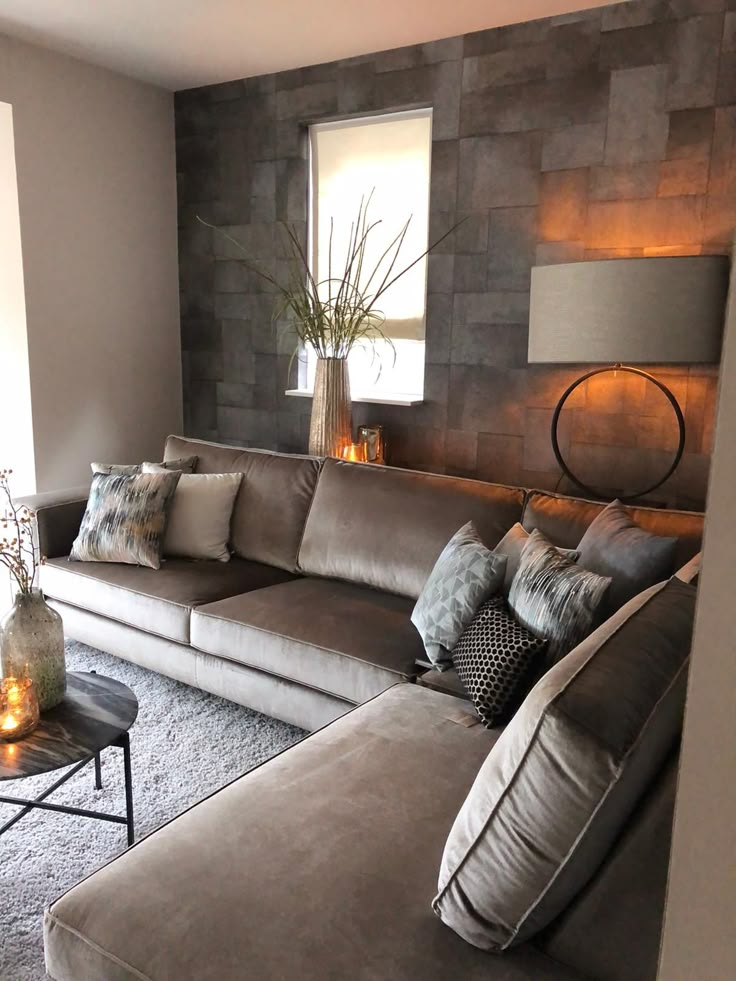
(346, 640)
(158, 601)
(320, 863)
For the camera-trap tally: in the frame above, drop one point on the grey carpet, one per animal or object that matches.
(184, 745)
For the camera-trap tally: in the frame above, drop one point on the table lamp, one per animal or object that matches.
(619, 313)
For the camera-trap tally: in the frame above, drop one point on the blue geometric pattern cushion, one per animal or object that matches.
(463, 577)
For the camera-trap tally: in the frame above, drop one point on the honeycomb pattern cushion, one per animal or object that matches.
(494, 658)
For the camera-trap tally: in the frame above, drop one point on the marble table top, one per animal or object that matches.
(94, 712)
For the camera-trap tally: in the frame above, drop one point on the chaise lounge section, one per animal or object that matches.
(322, 864)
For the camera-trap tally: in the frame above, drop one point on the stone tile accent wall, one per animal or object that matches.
(605, 133)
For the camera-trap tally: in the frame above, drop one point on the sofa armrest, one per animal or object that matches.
(58, 517)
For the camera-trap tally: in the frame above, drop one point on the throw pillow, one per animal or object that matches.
(125, 519)
(465, 574)
(615, 546)
(567, 772)
(185, 465)
(493, 658)
(512, 544)
(554, 598)
(199, 517)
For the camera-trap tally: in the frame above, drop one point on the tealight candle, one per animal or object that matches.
(355, 452)
(18, 708)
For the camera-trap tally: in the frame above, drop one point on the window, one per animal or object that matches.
(388, 158)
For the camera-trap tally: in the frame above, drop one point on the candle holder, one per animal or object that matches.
(354, 452)
(19, 712)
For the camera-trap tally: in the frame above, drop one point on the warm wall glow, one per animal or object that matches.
(16, 429)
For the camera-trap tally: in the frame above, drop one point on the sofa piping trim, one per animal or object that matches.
(96, 947)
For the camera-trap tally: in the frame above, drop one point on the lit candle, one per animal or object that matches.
(9, 723)
(355, 452)
(18, 708)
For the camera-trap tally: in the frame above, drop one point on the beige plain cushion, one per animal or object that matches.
(198, 525)
(567, 772)
(274, 499)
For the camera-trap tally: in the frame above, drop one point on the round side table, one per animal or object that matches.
(96, 712)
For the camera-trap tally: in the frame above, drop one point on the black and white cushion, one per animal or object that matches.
(494, 659)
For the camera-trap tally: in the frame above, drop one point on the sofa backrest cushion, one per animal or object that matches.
(274, 498)
(613, 927)
(566, 774)
(564, 521)
(386, 528)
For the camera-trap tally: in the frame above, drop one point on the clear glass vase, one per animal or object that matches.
(32, 644)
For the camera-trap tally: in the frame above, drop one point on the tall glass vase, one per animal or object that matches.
(32, 643)
(331, 427)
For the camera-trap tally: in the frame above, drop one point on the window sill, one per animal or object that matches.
(390, 398)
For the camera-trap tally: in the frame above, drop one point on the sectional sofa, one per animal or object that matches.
(321, 864)
(311, 616)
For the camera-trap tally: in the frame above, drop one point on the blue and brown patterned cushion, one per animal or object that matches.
(125, 519)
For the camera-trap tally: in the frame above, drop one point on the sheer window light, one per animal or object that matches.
(388, 158)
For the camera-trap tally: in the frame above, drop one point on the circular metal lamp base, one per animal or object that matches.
(632, 371)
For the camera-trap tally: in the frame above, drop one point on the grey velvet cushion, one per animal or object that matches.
(567, 772)
(512, 545)
(125, 519)
(185, 464)
(463, 577)
(615, 546)
(554, 598)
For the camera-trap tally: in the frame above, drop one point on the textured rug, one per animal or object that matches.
(184, 745)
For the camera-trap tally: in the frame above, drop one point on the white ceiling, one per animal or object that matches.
(184, 43)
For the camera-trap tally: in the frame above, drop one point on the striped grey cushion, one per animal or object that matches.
(554, 598)
(125, 519)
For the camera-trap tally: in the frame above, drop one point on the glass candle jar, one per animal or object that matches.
(355, 452)
(18, 708)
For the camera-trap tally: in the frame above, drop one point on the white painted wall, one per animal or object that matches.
(16, 424)
(96, 175)
(699, 942)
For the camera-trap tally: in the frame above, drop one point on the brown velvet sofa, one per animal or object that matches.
(311, 616)
(322, 862)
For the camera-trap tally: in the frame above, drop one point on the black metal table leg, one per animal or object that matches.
(40, 802)
(42, 796)
(124, 741)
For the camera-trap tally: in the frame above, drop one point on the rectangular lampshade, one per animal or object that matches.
(663, 310)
